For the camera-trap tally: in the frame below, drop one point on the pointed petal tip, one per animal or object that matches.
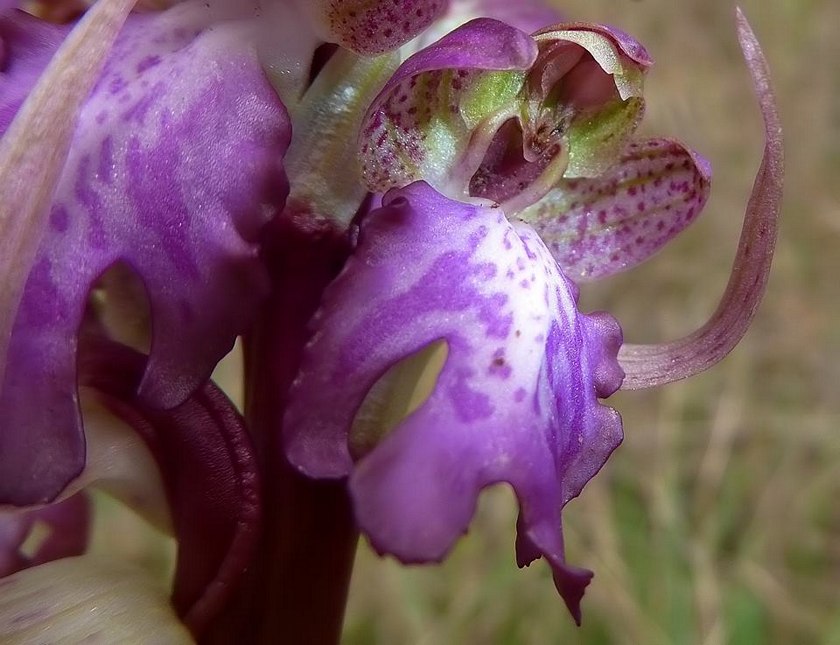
(653, 365)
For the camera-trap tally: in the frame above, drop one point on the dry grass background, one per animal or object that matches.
(717, 521)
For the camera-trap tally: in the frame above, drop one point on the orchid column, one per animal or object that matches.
(396, 224)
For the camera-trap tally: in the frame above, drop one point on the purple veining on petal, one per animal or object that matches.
(599, 227)
(66, 525)
(374, 27)
(395, 143)
(209, 472)
(419, 275)
(27, 44)
(180, 196)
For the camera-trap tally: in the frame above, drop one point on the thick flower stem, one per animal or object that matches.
(297, 590)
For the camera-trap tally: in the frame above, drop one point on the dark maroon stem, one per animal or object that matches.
(298, 588)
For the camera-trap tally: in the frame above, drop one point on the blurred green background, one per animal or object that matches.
(717, 521)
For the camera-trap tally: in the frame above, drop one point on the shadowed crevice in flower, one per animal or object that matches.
(416, 127)
(209, 472)
(516, 400)
(488, 112)
(551, 142)
(175, 166)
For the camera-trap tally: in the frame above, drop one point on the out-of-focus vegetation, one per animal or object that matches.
(718, 519)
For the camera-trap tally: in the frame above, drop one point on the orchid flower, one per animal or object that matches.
(393, 203)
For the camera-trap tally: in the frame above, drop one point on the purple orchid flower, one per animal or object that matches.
(399, 243)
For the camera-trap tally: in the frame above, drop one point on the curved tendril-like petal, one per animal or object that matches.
(652, 365)
(372, 27)
(35, 146)
(209, 471)
(598, 227)
(176, 164)
(87, 600)
(516, 400)
(64, 527)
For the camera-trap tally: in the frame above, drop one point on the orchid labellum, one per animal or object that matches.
(393, 203)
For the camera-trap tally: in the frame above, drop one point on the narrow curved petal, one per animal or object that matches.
(652, 365)
(86, 600)
(210, 474)
(372, 27)
(598, 227)
(175, 166)
(516, 400)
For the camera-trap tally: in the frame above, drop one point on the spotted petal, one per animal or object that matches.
(598, 227)
(489, 112)
(373, 27)
(174, 168)
(420, 124)
(526, 15)
(516, 400)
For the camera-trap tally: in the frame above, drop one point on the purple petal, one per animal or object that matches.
(525, 15)
(35, 147)
(209, 472)
(175, 166)
(598, 227)
(516, 400)
(416, 127)
(368, 27)
(67, 525)
(464, 116)
(652, 365)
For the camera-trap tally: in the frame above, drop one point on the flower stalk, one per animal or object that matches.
(299, 589)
